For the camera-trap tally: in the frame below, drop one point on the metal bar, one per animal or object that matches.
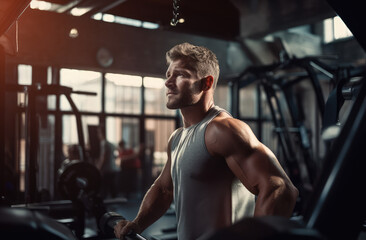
(85, 93)
(259, 113)
(79, 127)
(283, 136)
(103, 83)
(31, 137)
(317, 88)
(2, 120)
(234, 91)
(320, 68)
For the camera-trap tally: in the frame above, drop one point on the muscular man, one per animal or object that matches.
(216, 166)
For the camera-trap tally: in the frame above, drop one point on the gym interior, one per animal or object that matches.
(292, 70)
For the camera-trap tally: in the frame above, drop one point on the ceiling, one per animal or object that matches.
(216, 18)
(226, 19)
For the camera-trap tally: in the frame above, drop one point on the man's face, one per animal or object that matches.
(183, 86)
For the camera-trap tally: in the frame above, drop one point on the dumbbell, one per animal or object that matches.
(107, 223)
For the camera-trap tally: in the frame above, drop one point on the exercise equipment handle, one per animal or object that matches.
(109, 220)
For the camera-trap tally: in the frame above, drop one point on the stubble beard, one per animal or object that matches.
(181, 102)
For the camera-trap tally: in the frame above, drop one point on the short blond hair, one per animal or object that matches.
(198, 58)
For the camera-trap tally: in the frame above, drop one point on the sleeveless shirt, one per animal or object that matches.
(207, 195)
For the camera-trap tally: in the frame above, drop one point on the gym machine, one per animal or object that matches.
(31, 93)
(78, 181)
(293, 135)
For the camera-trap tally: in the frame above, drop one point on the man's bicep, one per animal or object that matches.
(243, 167)
(239, 147)
(260, 170)
(250, 161)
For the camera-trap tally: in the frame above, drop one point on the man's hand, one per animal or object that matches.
(125, 227)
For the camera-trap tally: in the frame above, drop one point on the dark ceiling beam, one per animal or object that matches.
(106, 6)
(68, 6)
(261, 17)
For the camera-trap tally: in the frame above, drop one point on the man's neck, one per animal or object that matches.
(194, 114)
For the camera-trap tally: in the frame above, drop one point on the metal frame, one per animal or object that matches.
(31, 133)
(268, 77)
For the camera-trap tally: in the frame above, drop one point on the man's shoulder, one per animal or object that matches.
(225, 135)
(225, 121)
(226, 125)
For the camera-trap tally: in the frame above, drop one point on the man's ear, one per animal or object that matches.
(207, 83)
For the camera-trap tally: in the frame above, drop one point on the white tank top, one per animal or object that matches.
(207, 194)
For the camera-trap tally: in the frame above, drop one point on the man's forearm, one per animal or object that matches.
(155, 203)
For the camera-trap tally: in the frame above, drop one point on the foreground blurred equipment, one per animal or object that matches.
(268, 227)
(16, 223)
(80, 182)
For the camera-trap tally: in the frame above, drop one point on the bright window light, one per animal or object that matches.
(79, 11)
(128, 21)
(125, 21)
(340, 29)
(41, 5)
(150, 82)
(150, 25)
(97, 16)
(334, 28)
(108, 18)
(77, 77)
(24, 74)
(328, 30)
(124, 80)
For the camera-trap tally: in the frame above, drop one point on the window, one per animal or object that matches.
(69, 129)
(157, 136)
(24, 74)
(334, 29)
(123, 93)
(127, 129)
(80, 80)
